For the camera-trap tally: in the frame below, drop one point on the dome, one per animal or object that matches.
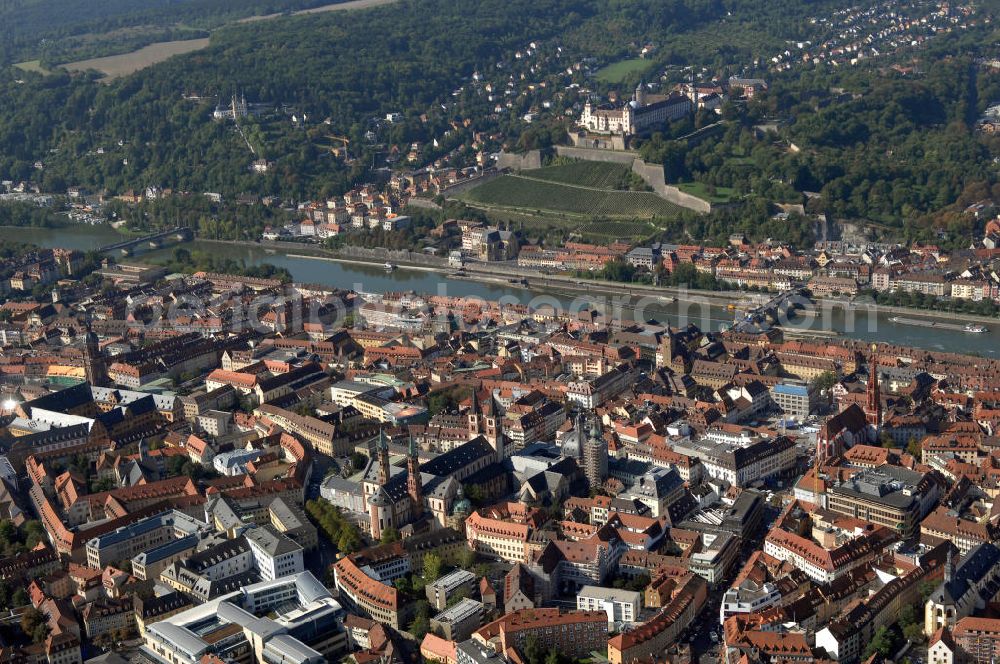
(595, 431)
(462, 506)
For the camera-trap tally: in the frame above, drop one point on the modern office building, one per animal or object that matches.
(291, 620)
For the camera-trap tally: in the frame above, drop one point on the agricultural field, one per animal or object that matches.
(595, 174)
(515, 193)
(334, 7)
(635, 205)
(602, 232)
(115, 66)
(617, 72)
(33, 66)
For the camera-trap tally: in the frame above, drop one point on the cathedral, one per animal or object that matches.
(425, 496)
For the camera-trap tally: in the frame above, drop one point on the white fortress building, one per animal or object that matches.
(643, 113)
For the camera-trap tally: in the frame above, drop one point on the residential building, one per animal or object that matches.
(573, 633)
(622, 606)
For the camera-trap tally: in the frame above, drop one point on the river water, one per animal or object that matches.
(863, 324)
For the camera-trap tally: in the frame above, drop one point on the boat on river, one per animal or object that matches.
(972, 328)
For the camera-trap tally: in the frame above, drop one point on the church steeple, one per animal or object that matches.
(493, 428)
(595, 456)
(414, 486)
(383, 458)
(94, 367)
(474, 416)
(873, 402)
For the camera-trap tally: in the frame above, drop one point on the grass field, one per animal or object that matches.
(32, 66)
(700, 189)
(114, 66)
(335, 7)
(617, 72)
(584, 173)
(531, 196)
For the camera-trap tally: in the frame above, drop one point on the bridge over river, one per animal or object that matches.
(155, 241)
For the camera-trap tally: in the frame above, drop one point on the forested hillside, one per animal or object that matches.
(408, 57)
(58, 30)
(872, 142)
(875, 144)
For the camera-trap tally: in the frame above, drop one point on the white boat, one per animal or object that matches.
(976, 329)
(389, 267)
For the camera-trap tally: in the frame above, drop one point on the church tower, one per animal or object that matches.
(94, 367)
(873, 402)
(380, 514)
(380, 511)
(595, 457)
(491, 422)
(414, 486)
(667, 348)
(640, 95)
(474, 415)
(493, 429)
(575, 440)
(383, 458)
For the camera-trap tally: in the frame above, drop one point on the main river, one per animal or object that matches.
(867, 325)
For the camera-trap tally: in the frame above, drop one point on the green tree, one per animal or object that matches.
(825, 381)
(466, 558)
(533, 651)
(914, 633)
(881, 643)
(33, 623)
(349, 540)
(358, 460)
(926, 589)
(390, 535)
(432, 567)
(421, 619)
(475, 493)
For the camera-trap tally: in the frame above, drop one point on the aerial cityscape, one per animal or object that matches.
(520, 332)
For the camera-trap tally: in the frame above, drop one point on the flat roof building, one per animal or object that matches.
(458, 622)
(622, 606)
(293, 620)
